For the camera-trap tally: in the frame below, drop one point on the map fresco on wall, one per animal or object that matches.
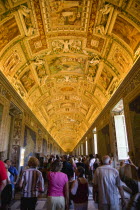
(30, 137)
(66, 64)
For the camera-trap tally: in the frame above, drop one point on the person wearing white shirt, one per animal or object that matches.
(91, 168)
(106, 182)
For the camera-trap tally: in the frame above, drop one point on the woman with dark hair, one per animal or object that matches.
(79, 190)
(58, 188)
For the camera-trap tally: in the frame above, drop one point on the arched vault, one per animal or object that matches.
(67, 58)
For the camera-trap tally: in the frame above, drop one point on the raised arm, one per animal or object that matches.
(74, 187)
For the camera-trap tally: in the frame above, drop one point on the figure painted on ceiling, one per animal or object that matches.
(27, 80)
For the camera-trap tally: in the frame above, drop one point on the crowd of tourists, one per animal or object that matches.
(67, 179)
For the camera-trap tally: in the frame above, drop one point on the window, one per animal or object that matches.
(121, 137)
(86, 147)
(95, 141)
(22, 153)
(120, 128)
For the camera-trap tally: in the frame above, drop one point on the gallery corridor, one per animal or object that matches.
(69, 86)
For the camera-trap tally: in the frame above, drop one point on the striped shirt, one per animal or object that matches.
(32, 182)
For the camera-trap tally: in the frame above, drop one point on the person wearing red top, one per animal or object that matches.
(3, 177)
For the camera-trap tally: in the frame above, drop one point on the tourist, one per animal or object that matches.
(79, 190)
(106, 183)
(67, 167)
(3, 177)
(58, 188)
(13, 175)
(31, 183)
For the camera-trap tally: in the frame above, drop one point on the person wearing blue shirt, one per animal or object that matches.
(13, 174)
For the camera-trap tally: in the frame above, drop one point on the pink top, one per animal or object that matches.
(57, 181)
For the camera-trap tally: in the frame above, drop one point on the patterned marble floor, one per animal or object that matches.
(42, 203)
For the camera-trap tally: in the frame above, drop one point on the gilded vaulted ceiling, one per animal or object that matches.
(67, 58)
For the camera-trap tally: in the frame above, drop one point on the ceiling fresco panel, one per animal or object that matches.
(11, 63)
(59, 15)
(122, 60)
(65, 64)
(99, 95)
(134, 8)
(27, 80)
(2, 8)
(127, 32)
(8, 31)
(39, 42)
(14, 3)
(92, 18)
(105, 78)
(113, 86)
(34, 95)
(13, 60)
(96, 43)
(116, 2)
(66, 46)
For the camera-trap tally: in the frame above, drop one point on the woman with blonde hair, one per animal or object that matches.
(31, 183)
